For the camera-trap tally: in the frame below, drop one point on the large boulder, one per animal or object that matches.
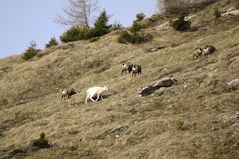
(157, 87)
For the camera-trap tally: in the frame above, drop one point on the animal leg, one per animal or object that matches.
(62, 97)
(123, 72)
(92, 99)
(98, 96)
(86, 99)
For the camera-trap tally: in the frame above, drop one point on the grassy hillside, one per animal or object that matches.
(194, 119)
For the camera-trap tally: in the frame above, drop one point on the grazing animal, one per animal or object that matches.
(126, 67)
(68, 92)
(95, 91)
(136, 70)
(209, 49)
(197, 53)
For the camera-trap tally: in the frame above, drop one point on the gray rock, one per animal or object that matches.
(160, 91)
(158, 87)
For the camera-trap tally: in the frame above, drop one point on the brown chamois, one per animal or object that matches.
(126, 67)
(197, 53)
(209, 49)
(136, 70)
(68, 92)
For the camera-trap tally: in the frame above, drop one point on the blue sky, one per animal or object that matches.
(25, 20)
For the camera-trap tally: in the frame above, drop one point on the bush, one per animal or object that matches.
(42, 142)
(140, 16)
(134, 35)
(94, 39)
(52, 42)
(134, 38)
(124, 37)
(73, 34)
(180, 23)
(76, 33)
(180, 125)
(30, 52)
(136, 27)
(70, 35)
(216, 13)
(172, 7)
(85, 33)
(116, 26)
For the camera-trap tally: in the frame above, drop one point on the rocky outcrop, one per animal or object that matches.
(158, 87)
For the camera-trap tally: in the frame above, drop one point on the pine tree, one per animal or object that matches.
(100, 25)
(52, 42)
(30, 52)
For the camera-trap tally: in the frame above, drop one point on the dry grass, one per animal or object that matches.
(30, 101)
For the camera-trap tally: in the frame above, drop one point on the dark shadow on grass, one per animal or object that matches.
(193, 29)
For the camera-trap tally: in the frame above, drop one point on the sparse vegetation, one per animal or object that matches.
(42, 142)
(172, 7)
(116, 26)
(136, 27)
(180, 23)
(73, 34)
(134, 38)
(140, 16)
(124, 37)
(216, 13)
(196, 145)
(94, 39)
(180, 125)
(31, 51)
(134, 35)
(52, 42)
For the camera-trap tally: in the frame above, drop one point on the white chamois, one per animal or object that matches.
(95, 91)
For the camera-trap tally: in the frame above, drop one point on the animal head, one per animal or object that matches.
(64, 90)
(206, 49)
(106, 88)
(199, 50)
(124, 65)
(209, 48)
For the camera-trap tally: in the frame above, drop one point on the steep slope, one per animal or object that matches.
(194, 119)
